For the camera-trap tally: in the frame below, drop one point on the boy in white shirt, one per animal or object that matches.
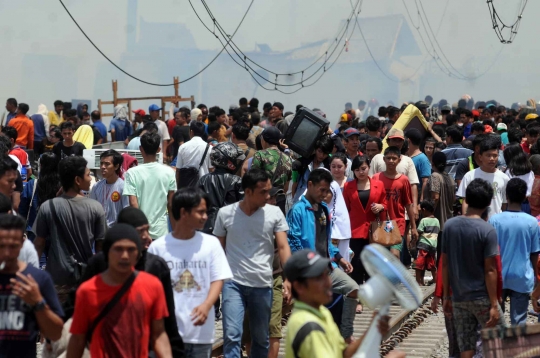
(489, 155)
(198, 269)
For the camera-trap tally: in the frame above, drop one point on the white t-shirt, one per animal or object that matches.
(194, 265)
(527, 178)
(498, 180)
(405, 167)
(163, 131)
(339, 216)
(190, 155)
(250, 242)
(19, 165)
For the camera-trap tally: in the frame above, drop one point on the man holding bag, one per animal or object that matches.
(309, 228)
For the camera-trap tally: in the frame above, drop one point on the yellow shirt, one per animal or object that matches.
(312, 333)
(55, 119)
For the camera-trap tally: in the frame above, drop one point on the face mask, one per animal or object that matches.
(460, 124)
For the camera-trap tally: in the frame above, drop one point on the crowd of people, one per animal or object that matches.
(222, 221)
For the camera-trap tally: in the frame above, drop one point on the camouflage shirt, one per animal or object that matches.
(268, 160)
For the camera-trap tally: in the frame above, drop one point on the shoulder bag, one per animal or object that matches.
(189, 176)
(384, 232)
(110, 305)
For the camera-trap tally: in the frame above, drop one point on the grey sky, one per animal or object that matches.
(42, 28)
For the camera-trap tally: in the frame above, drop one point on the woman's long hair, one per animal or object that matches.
(516, 160)
(48, 182)
(439, 162)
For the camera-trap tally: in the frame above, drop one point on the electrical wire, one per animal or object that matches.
(244, 58)
(445, 67)
(496, 19)
(375, 61)
(151, 83)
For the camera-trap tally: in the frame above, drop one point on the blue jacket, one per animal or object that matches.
(301, 220)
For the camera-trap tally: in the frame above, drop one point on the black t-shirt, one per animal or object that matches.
(180, 134)
(463, 167)
(62, 151)
(18, 324)
(97, 135)
(364, 197)
(321, 236)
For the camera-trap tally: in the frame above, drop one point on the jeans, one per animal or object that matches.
(197, 350)
(519, 306)
(343, 284)
(258, 301)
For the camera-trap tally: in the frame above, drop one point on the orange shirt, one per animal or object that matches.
(125, 330)
(25, 130)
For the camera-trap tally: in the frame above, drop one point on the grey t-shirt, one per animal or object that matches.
(467, 243)
(83, 222)
(250, 242)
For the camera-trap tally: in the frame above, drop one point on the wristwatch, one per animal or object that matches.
(39, 306)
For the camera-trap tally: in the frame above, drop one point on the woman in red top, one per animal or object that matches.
(364, 198)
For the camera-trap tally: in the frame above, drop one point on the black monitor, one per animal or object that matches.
(305, 129)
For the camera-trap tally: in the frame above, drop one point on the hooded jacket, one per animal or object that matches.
(301, 220)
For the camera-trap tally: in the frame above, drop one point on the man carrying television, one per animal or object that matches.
(278, 165)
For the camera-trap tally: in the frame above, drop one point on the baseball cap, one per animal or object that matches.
(305, 264)
(275, 191)
(475, 113)
(396, 133)
(232, 109)
(446, 108)
(344, 118)
(531, 116)
(140, 112)
(502, 127)
(271, 135)
(154, 107)
(421, 104)
(350, 132)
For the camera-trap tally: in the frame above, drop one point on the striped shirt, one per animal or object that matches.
(110, 197)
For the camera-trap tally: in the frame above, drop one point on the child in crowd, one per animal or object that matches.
(428, 230)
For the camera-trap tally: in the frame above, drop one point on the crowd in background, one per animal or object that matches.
(203, 229)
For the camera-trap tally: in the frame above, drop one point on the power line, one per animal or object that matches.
(446, 68)
(151, 83)
(496, 19)
(243, 58)
(373, 57)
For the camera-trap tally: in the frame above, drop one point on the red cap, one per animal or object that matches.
(475, 113)
(140, 112)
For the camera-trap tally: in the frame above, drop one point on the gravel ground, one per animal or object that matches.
(442, 351)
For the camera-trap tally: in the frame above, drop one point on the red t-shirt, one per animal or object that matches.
(525, 147)
(21, 155)
(398, 196)
(125, 331)
(171, 123)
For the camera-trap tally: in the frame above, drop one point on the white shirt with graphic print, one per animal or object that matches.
(194, 265)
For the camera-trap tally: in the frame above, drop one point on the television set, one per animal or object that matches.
(304, 131)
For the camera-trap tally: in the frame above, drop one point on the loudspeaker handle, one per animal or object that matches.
(372, 339)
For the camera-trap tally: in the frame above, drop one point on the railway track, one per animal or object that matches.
(403, 323)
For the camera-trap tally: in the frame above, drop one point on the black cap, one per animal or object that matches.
(305, 264)
(271, 135)
(421, 105)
